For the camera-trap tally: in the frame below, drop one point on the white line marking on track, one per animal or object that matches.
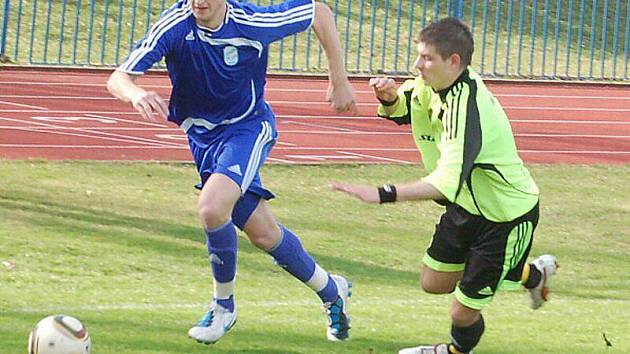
(72, 119)
(275, 159)
(177, 137)
(523, 135)
(174, 130)
(340, 148)
(285, 143)
(325, 132)
(132, 121)
(352, 132)
(78, 84)
(580, 152)
(68, 97)
(375, 157)
(322, 90)
(340, 130)
(23, 105)
(560, 121)
(337, 149)
(114, 137)
(114, 147)
(520, 95)
(317, 103)
(129, 113)
(572, 136)
(322, 157)
(580, 109)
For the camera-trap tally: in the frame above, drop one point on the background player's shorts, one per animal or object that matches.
(238, 151)
(491, 255)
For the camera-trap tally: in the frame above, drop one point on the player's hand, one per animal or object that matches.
(148, 103)
(384, 88)
(341, 98)
(367, 194)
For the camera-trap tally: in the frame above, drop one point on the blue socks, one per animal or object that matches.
(222, 247)
(290, 255)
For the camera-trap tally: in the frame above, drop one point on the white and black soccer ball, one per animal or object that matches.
(59, 334)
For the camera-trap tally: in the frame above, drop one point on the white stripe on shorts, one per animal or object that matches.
(253, 165)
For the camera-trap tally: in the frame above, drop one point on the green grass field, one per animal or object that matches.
(118, 245)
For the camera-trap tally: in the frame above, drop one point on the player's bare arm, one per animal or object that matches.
(340, 93)
(385, 91)
(147, 103)
(418, 190)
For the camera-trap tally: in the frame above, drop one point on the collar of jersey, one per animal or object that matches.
(210, 30)
(463, 77)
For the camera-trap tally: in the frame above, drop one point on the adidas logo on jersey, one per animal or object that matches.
(190, 36)
(486, 291)
(235, 169)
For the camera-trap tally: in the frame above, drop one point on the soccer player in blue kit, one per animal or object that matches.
(216, 54)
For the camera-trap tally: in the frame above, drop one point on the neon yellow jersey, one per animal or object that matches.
(415, 102)
(467, 147)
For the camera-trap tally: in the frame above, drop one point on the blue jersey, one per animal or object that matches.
(218, 75)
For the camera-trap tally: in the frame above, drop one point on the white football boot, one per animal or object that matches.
(338, 320)
(428, 349)
(547, 265)
(216, 323)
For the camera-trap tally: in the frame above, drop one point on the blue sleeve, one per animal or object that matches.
(157, 42)
(272, 23)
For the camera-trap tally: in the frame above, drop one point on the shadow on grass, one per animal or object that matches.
(148, 333)
(89, 222)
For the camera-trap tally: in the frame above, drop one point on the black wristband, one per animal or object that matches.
(387, 103)
(387, 193)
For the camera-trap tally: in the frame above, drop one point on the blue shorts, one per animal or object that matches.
(238, 151)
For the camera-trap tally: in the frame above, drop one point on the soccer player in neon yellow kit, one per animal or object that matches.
(483, 239)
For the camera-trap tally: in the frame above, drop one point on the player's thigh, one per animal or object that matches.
(445, 258)
(262, 228)
(436, 282)
(217, 199)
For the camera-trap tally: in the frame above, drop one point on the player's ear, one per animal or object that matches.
(455, 60)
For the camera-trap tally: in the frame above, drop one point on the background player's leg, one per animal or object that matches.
(287, 250)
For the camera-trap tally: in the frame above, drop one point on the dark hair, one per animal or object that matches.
(449, 36)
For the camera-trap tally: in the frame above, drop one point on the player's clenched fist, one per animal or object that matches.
(384, 88)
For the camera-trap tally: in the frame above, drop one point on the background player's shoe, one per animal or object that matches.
(338, 320)
(428, 349)
(547, 265)
(216, 322)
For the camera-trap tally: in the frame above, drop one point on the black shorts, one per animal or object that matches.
(490, 254)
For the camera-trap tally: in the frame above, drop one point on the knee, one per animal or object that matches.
(432, 285)
(213, 214)
(264, 238)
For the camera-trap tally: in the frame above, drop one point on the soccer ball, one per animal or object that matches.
(59, 334)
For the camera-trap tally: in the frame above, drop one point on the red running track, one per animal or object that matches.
(55, 114)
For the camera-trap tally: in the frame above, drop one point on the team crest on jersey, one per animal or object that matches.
(230, 55)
